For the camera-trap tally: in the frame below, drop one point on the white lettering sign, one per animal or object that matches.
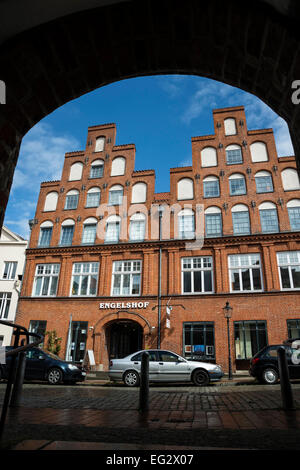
(122, 305)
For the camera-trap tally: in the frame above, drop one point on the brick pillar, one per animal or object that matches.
(105, 274)
(65, 277)
(218, 271)
(267, 268)
(224, 269)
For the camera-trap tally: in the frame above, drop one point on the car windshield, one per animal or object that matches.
(52, 355)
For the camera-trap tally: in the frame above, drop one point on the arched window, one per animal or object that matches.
(211, 186)
(96, 170)
(268, 217)
(93, 197)
(230, 126)
(139, 193)
(45, 233)
(67, 232)
(290, 179)
(100, 142)
(137, 227)
(89, 231)
(213, 222)
(240, 219)
(293, 207)
(112, 232)
(72, 199)
(234, 154)
(186, 223)
(209, 157)
(51, 201)
(263, 181)
(76, 171)
(237, 184)
(115, 195)
(118, 166)
(258, 151)
(185, 189)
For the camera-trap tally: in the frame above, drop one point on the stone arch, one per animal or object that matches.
(123, 315)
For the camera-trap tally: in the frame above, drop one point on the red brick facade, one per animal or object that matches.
(261, 308)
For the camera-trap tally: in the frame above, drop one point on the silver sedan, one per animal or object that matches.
(164, 366)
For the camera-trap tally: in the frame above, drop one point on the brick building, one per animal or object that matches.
(99, 244)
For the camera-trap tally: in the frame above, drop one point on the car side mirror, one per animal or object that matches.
(180, 359)
(41, 358)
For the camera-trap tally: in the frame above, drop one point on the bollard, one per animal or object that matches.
(285, 385)
(19, 379)
(144, 383)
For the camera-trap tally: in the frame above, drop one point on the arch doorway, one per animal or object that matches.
(123, 338)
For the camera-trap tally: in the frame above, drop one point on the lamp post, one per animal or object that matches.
(228, 314)
(160, 214)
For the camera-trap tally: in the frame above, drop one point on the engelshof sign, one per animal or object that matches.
(123, 305)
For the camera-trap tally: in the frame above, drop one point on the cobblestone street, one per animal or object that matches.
(232, 416)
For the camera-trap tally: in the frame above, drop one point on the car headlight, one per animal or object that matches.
(217, 369)
(72, 367)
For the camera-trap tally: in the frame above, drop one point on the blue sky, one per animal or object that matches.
(158, 114)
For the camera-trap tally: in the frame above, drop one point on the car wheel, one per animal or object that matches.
(54, 376)
(200, 378)
(131, 378)
(269, 376)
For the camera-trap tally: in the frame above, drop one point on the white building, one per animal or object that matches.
(12, 260)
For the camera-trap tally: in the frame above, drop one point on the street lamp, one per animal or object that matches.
(228, 314)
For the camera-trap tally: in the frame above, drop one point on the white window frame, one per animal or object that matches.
(5, 301)
(124, 272)
(202, 269)
(11, 269)
(288, 265)
(81, 273)
(239, 267)
(44, 275)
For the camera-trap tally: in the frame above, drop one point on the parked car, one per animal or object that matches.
(164, 366)
(264, 365)
(45, 366)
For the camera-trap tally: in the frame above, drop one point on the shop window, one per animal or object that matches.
(77, 341)
(249, 338)
(198, 341)
(293, 327)
(38, 327)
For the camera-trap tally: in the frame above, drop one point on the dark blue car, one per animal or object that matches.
(45, 366)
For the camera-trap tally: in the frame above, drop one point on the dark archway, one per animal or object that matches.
(250, 45)
(123, 338)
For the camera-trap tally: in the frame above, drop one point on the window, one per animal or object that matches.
(213, 222)
(233, 154)
(139, 193)
(72, 199)
(240, 219)
(289, 269)
(46, 280)
(99, 146)
(197, 275)
(84, 279)
(45, 234)
(115, 195)
(198, 341)
(209, 157)
(186, 224)
(293, 327)
(137, 227)
(67, 231)
(5, 298)
(51, 201)
(245, 273)
(293, 207)
(166, 356)
(249, 338)
(93, 197)
(126, 279)
(230, 126)
(263, 181)
(118, 166)
(185, 189)
(268, 217)
(76, 349)
(112, 232)
(237, 184)
(290, 179)
(76, 171)
(10, 268)
(138, 357)
(38, 327)
(211, 187)
(258, 151)
(89, 231)
(96, 170)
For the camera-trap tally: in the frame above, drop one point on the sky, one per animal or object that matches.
(159, 114)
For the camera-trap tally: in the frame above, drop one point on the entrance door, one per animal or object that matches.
(125, 337)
